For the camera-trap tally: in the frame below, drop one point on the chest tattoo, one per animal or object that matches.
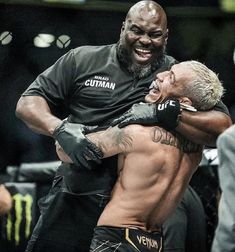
(162, 136)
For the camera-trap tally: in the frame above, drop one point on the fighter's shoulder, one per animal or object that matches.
(136, 137)
(139, 132)
(134, 129)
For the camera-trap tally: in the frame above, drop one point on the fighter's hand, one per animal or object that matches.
(165, 114)
(76, 145)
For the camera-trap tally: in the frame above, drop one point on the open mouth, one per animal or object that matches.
(142, 54)
(154, 87)
(154, 93)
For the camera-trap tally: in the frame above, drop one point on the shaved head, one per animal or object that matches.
(148, 9)
(143, 38)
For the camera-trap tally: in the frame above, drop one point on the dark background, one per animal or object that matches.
(200, 30)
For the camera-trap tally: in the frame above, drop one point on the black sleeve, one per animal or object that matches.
(55, 83)
(220, 106)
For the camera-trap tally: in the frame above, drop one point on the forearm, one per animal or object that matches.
(108, 141)
(36, 114)
(203, 127)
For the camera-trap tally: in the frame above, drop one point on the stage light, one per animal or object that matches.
(43, 40)
(5, 37)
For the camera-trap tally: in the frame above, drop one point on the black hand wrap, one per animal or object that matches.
(76, 145)
(165, 114)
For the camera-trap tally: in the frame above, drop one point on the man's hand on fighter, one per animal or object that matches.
(165, 114)
(71, 137)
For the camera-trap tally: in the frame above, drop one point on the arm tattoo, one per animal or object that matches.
(175, 139)
(116, 139)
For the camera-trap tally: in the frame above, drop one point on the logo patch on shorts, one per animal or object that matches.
(143, 241)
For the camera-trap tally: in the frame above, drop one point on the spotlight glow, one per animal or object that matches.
(43, 40)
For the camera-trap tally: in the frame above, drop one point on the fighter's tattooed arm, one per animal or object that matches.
(112, 141)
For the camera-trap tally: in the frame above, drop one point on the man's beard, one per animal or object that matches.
(139, 71)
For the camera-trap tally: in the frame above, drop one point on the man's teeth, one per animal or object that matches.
(142, 50)
(156, 86)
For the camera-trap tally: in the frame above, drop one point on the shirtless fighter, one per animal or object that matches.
(155, 165)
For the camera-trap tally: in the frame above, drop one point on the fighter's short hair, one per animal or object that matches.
(205, 90)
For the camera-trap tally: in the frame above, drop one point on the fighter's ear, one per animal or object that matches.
(185, 100)
(123, 26)
(166, 36)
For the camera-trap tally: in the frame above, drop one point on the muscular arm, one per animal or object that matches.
(132, 138)
(203, 127)
(35, 112)
(111, 142)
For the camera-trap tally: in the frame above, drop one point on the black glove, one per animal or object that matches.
(164, 114)
(79, 148)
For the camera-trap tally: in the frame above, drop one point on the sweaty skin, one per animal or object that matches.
(154, 169)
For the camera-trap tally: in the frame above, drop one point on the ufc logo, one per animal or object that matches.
(162, 106)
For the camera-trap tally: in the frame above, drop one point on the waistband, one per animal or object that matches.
(157, 231)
